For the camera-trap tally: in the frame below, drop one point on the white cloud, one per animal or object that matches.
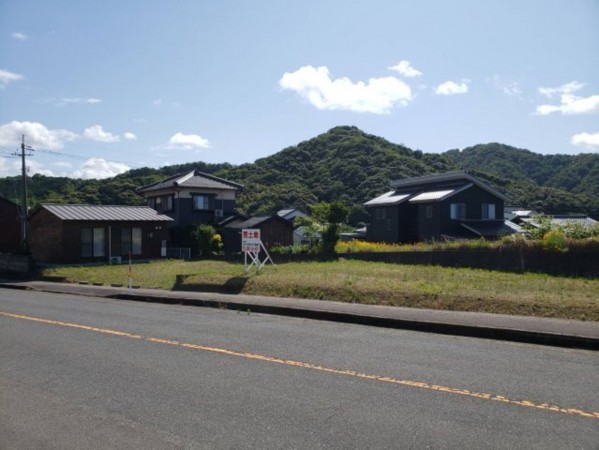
(567, 88)
(19, 36)
(157, 102)
(452, 88)
(587, 140)
(187, 142)
(36, 135)
(78, 101)
(98, 168)
(571, 105)
(405, 68)
(508, 87)
(63, 164)
(130, 136)
(12, 167)
(378, 96)
(97, 133)
(7, 77)
(33, 167)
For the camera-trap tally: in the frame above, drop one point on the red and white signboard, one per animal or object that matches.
(251, 244)
(250, 240)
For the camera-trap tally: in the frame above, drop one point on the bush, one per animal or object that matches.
(294, 249)
(203, 238)
(555, 241)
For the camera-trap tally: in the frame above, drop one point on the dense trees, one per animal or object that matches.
(345, 164)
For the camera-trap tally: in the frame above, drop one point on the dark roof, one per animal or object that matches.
(193, 179)
(254, 222)
(449, 179)
(491, 228)
(105, 213)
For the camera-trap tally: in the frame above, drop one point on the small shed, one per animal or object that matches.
(274, 231)
(90, 233)
(10, 226)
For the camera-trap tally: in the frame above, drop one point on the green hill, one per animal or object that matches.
(550, 183)
(349, 165)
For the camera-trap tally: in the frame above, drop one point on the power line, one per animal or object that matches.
(55, 153)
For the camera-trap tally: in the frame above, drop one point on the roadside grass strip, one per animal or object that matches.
(316, 367)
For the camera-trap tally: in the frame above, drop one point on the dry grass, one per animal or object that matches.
(370, 283)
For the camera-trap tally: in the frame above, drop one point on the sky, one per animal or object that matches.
(101, 87)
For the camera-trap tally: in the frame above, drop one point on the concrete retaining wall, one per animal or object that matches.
(15, 264)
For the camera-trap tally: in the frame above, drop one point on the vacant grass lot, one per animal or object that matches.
(367, 282)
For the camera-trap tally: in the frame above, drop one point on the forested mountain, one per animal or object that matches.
(349, 165)
(343, 164)
(549, 183)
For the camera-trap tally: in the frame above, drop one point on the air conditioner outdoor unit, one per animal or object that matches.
(115, 260)
(218, 213)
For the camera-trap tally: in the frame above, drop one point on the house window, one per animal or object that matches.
(429, 212)
(131, 240)
(488, 211)
(458, 211)
(92, 242)
(202, 202)
(380, 214)
(161, 204)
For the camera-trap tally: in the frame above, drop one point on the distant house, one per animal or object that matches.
(453, 205)
(299, 236)
(274, 231)
(10, 226)
(517, 214)
(563, 220)
(192, 198)
(291, 213)
(358, 234)
(302, 237)
(89, 233)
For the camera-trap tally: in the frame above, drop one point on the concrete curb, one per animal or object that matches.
(504, 333)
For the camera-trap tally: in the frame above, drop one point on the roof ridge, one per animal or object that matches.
(92, 205)
(214, 177)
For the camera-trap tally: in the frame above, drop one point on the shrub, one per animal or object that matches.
(555, 241)
(217, 243)
(203, 239)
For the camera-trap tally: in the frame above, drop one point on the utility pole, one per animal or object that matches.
(24, 207)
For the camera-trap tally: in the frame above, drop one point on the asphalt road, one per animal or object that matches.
(79, 372)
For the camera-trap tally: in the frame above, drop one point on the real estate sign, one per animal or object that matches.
(250, 240)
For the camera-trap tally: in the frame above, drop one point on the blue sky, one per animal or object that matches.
(100, 87)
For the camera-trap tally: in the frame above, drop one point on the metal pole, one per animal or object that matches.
(24, 197)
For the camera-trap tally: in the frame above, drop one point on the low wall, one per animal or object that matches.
(15, 264)
(571, 263)
(575, 262)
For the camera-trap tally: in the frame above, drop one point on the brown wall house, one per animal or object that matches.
(274, 231)
(10, 226)
(89, 233)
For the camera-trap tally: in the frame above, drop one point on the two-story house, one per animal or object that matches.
(194, 197)
(436, 207)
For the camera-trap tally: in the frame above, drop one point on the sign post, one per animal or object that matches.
(251, 245)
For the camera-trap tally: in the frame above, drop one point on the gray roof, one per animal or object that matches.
(491, 228)
(255, 221)
(194, 179)
(106, 213)
(563, 220)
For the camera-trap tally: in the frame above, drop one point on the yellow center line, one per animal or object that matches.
(310, 366)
